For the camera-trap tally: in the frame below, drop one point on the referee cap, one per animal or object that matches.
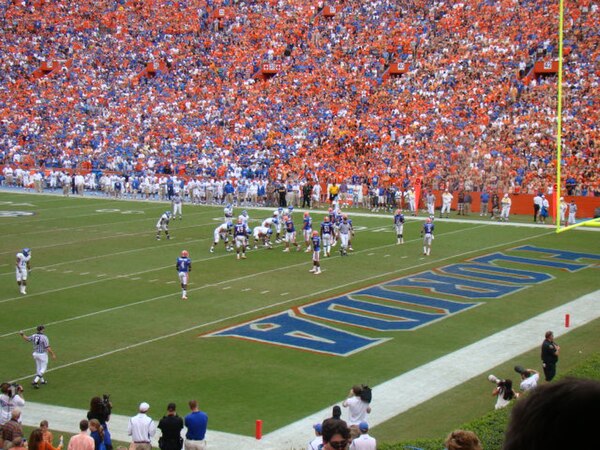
(40, 328)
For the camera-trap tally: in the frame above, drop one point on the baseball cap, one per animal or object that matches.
(144, 407)
(318, 428)
(363, 426)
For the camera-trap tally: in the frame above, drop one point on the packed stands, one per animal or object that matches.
(269, 88)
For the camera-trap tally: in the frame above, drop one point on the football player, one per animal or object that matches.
(307, 230)
(427, 235)
(290, 234)
(316, 248)
(228, 212)
(278, 224)
(399, 225)
(163, 225)
(23, 266)
(326, 236)
(262, 234)
(240, 236)
(344, 229)
(221, 233)
(184, 267)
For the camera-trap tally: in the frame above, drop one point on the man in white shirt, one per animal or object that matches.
(142, 429)
(364, 441)
(317, 442)
(357, 408)
(529, 379)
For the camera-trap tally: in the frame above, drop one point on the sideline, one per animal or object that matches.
(391, 398)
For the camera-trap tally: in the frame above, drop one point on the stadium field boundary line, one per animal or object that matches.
(391, 398)
(208, 285)
(244, 313)
(350, 211)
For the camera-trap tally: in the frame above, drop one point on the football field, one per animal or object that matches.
(262, 338)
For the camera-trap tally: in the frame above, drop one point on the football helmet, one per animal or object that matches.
(276, 214)
(306, 213)
(428, 220)
(315, 233)
(184, 254)
(26, 251)
(326, 219)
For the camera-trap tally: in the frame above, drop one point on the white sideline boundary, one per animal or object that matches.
(391, 398)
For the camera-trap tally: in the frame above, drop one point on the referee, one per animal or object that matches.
(41, 348)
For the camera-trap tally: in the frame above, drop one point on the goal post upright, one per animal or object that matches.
(557, 192)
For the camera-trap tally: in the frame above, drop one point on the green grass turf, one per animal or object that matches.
(109, 294)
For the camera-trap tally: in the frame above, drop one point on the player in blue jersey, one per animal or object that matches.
(316, 250)
(326, 236)
(184, 267)
(290, 234)
(307, 230)
(163, 225)
(427, 234)
(240, 236)
(23, 266)
(351, 235)
(399, 225)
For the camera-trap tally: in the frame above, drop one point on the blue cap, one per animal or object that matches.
(318, 427)
(363, 426)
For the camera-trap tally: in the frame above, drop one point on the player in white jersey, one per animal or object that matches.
(228, 212)
(176, 201)
(41, 348)
(278, 225)
(221, 233)
(262, 234)
(163, 225)
(23, 266)
(446, 203)
(244, 217)
(271, 221)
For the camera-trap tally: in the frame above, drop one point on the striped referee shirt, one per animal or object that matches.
(40, 342)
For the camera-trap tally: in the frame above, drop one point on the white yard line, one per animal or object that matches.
(390, 398)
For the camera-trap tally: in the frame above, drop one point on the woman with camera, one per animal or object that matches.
(11, 397)
(100, 409)
(504, 393)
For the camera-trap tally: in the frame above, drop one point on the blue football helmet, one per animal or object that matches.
(26, 251)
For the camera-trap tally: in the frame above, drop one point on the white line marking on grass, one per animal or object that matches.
(138, 278)
(386, 256)
(284, 294)
(370, 254)
(155, 280)
(168, 282)
(265, 292)
(84, 273)
(226, 287)
(47, 270)
(246, 290)
(68, 271)
(100, 275)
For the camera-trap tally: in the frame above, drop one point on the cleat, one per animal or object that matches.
(184, 298)
(157, 238)
(313, 270)
(238, 256)
(243, 256)
(286, 250)
(351, 249)
(35, 385)
(44, 382)
(318, 272)
(307, 250)
(212, 250)
(298, 249)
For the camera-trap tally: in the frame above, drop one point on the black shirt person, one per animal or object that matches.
(170, 427)
(550, 351)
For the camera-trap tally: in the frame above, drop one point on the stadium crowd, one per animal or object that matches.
(467, 114)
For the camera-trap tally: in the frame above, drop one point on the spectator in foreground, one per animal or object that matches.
(12, 429)
(529, 380)
(462, 440)
(48, 437)
(170, 427)
(82, 441)
(336, 435)
(364, 441)
(37, 442)
(142, 428)
(557, 416)
(317, 442)
(196, 423)
(504, 393)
